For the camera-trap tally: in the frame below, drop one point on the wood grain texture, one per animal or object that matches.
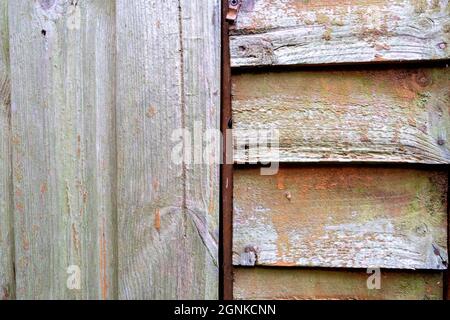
(271, 32)
(353, 217)
(168, 78)
(322, 284)
(63, 82)
(7, 282)
(385, 115)
(201, 23)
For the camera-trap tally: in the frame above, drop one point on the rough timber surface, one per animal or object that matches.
(375, 115)
(273, 32)
(343, 217)
(321, 284)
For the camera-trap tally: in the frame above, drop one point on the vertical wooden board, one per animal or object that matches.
(322, 284)
(201, 23)
(378, 114)
(6, 224)
(63, 79)
(150, 186)
(167, 79)
(272, 32)
(343, 217)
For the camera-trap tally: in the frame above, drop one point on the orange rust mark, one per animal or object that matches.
(78, 146)
(103, 259)
(211, 207)
(85, 197)
(157, 220)
(25, 242)
(284, 264)
(20, 207)
(75, 237)
(155, 184)
(16, 140)
(411, 121)
(151, 112)
(280, 182)
(44, 188)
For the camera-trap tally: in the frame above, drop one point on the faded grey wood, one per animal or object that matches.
(168, 78)
(7, 283)
(272, 32)
(63, 78)
(341, 217)
(383, 115)
(201, 21)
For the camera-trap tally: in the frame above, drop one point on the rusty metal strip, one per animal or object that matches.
(446, 275)
(226, 230)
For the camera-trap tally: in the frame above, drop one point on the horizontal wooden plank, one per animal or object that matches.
(271, 32)
(354, 217)
(379, 114)
(308, 284)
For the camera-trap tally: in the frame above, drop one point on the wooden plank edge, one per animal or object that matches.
(442, 62)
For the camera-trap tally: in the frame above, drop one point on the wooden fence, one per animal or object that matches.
(360, 93)
(90, 92)
(92, 205)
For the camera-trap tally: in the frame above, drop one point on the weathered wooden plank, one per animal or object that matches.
(201, 23)
(271, 32)
(62, 72)
(167, 79)
(6, 223)
(355, 217)
(322, 284)
(387, 115)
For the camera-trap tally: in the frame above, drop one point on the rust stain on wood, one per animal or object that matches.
(157, 220)
(354, 217)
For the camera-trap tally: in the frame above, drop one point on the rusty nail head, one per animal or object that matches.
(233, 9)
